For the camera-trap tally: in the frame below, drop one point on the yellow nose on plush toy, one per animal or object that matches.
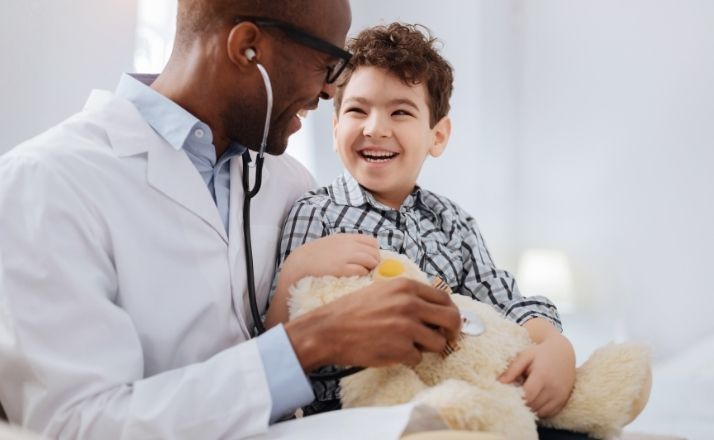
(389, 269)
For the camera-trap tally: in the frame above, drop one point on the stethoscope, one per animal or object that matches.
(249, 193)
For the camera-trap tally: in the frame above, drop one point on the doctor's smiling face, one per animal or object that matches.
(383, 134)
(299, 51)
(212, 76)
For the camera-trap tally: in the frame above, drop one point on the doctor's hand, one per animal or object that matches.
(382, 324)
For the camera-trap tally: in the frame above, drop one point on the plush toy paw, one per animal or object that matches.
(611, 389)
(465, 406)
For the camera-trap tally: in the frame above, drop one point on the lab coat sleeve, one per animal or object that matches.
(71, 361)
(289, 387)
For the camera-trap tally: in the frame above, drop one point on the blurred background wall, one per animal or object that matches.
(581, 130)
(53, 54)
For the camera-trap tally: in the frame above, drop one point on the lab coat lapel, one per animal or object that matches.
(171, 172)
(168, 170)
(236, 242)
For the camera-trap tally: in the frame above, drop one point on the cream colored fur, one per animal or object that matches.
(611, 387)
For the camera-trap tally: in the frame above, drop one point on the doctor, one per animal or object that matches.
(123, 307)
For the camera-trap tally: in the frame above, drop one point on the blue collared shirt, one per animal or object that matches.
(184, 131)
(289, 388)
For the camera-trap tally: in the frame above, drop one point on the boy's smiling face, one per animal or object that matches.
(382, 133)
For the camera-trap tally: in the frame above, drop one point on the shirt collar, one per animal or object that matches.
(347, 191)
(176, 125)
(171, 121)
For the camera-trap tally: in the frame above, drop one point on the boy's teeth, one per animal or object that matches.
(302, 114)
(378, 156)
(378, 153)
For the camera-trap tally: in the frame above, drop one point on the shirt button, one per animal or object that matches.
(199, 133)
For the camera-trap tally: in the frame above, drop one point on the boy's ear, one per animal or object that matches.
(334, 131)
(442, 132)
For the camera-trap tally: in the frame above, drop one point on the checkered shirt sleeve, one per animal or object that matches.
(482, 280)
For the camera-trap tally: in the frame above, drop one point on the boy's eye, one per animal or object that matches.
(401, 113)
(355, 110)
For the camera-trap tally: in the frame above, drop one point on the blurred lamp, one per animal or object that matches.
(547, 272)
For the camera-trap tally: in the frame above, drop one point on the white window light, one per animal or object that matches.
(547, 272)
(155, 29)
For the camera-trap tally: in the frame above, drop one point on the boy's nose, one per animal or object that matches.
(376, 127)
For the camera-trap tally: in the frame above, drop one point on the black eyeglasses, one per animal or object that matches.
(307, 40)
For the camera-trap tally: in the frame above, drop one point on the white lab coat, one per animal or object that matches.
(123, 304)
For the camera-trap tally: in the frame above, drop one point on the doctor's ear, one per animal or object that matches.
(243, 44)
(441, 133)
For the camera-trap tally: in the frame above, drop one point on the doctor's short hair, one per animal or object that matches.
(196, 17)
(408, 51)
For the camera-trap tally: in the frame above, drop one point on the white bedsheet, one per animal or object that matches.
(358, 424)
(682, 399)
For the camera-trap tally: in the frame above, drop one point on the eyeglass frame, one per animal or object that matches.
(309, 41)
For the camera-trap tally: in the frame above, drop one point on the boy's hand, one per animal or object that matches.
(548, 373)
(338, 255)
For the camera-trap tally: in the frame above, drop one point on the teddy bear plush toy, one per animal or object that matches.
(611, 387)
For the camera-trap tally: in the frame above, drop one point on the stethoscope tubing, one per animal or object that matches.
(250, 193)
(249, 269)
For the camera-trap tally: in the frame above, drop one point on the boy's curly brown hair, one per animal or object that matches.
(407, 51)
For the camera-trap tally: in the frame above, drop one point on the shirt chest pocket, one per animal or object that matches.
(443, 260)
(388, 238)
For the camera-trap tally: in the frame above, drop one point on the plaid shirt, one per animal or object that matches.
(430, 229)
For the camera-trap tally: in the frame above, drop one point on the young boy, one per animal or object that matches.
(391, 112)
